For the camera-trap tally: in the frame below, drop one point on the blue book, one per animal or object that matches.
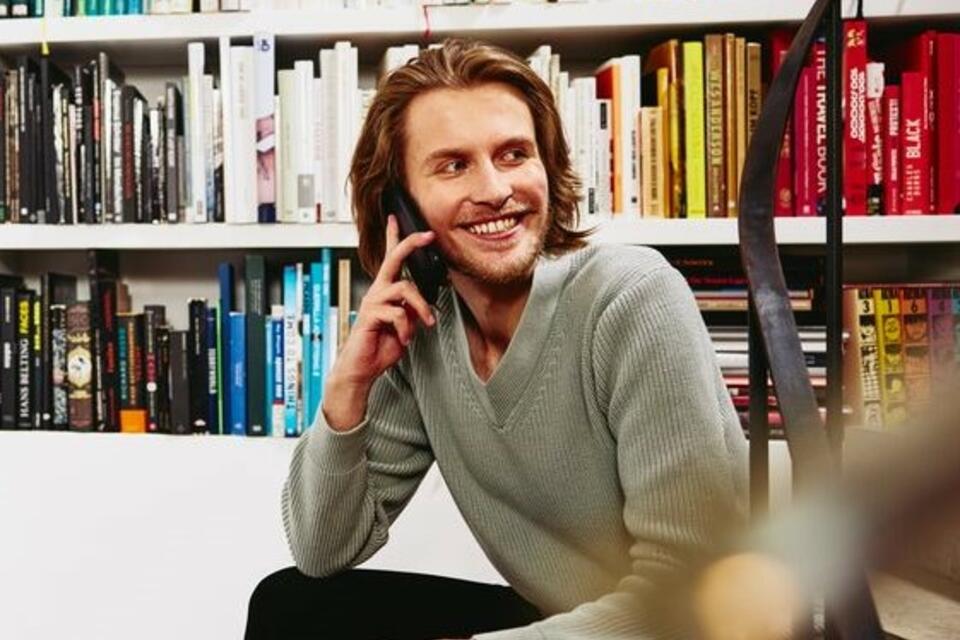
(238, 373)
(213, 374)
(306, 345)
(326, 262)
(314, 364)
(275, 399)
(135, 7)
(225, 279)
(268, 375)
(291, 349)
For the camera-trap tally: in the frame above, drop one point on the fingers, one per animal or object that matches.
(406, 293)
(397, 252)
(397, 318)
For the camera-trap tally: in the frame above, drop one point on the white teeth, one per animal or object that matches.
(497, 226)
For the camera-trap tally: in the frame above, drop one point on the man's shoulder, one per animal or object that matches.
(602, 270)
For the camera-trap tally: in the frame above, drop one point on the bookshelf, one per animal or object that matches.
(858, 232)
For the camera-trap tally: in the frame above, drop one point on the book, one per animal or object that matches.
(103, 274)
(55, 289)
(667, 56)
(947, 119)
(916, 347)
(854, 63)
(875, 138)
(715, 125)
(783, 204)
(154, 317)
(693, 115)
(131, 378)
(891, 150)
(890, 347)
(913, 160)
(256, 303)
(80, 365)
(26, 392)
(59, 389)
(180, 388)
(238, 374)
(197, 365)
(213, 372)
(275, 378)
(264, 109)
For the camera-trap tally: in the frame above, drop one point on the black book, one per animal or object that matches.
(153, 317)
(80, 363)
(28, 71)
(88, 155)
(143, 162)
(255, 293)
(180, 383)
(173, 150)
(132, 387)
(198, 365)
(163, 378)
(59, 391)
(8, 358)
(4, 215)
(66, 180)
(50, 76)
(109, 77)
(55, 288)
(128, 97)
(213, 382)
(12, 132)
(25, 403)
(103, 275)
(158, 165)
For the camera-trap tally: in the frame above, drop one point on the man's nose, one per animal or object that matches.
(491, 186)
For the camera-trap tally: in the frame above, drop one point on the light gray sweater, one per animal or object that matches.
(602, 452)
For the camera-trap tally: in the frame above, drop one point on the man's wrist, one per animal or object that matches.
(344, 404)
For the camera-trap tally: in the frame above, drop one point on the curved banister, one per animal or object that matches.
(855, 618)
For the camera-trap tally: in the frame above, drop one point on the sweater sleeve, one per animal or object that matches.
(344, 489)
(681, 454)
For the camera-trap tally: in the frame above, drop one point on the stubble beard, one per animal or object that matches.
(519, 267)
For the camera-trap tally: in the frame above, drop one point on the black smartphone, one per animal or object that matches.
(425, 265)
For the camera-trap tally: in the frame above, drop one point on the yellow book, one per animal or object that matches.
(695, 154)
(893, 391)
(740, 72)
(663, 101)
(343, 301)
(665, 60)
(654, 160)
(731, 100)
(754, 87)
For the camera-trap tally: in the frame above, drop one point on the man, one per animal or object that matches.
(569, 394)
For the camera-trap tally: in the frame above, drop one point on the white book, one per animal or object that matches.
(276, 408)
(229, 5)
(333, 333)
(287, 186)
(539, 61)
(181, 6)
(303, 141)
(210, 191)
(348, 115)
(318, 147)
(198, 174)
(243, 155)
(139, 178)
(226, 125)
(601, 147)
(278, 152)
(53, 8)
(72, 161)
(159, 7)
(585, 91)
(397, 56)
(329, 135)
(217, 125)
(157, 161)
(209, 6)
(630, 95)
(266, 127)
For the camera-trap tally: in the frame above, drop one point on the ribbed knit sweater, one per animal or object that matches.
(603, 450)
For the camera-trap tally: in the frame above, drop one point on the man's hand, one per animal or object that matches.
(386, 321)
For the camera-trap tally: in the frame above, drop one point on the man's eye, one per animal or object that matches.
(453, 166)
(515, 155)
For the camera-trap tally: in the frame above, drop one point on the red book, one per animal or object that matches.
(919, 54)
(783, 203)
(914, 160)
(855, 117)
(820, 126)
(891, 151)
(948, 123)
(804, 148)
(875, 138)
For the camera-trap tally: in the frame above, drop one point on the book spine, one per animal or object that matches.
(214, 213)
(804, 150)
(916, 347)
(37, 381)
(79, 367)
(226, 127)
(343, 300)
(276, 395)
(238, 374)
(291, 350)
(58, 367)
(180, 383)
(955, 299)
(948, 123)
(244, 136)
(264, 74)
(731, 104)
(8, 351)
(225, 280)
(196, 127)
(740, 122)
(213, 382)
(603, 140)
(696, 190)
(127, 176)
(940, 323)
(890, 346)
(306, 347)
(783, 204)
(854, 116)
(891, 150)
(133, 414)
(163, 379)
(875, 135)
(123, 372)
(153, 317)
(869, 372)
(25, 401)
(256, 308)
(819, 125)
(173, 117)
(320, 298)
(715, 129)
(914, 164)
(198, 365)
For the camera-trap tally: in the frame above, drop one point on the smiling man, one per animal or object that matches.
(568, 392)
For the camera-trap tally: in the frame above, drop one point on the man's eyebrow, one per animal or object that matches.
(454, 152)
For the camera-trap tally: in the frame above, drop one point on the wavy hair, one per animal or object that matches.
(457, 64)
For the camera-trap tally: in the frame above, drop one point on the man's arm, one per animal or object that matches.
(344, 489)
(680, 453)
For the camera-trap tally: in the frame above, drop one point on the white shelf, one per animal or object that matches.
(899, 230)
(176, 236)
(615, 18)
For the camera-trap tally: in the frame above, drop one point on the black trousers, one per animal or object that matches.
(363, 604)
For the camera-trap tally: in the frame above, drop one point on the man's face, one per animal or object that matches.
(473, 168)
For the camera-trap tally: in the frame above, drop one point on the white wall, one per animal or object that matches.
(129, 537)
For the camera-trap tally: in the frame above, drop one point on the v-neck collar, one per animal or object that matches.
(511, 378)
